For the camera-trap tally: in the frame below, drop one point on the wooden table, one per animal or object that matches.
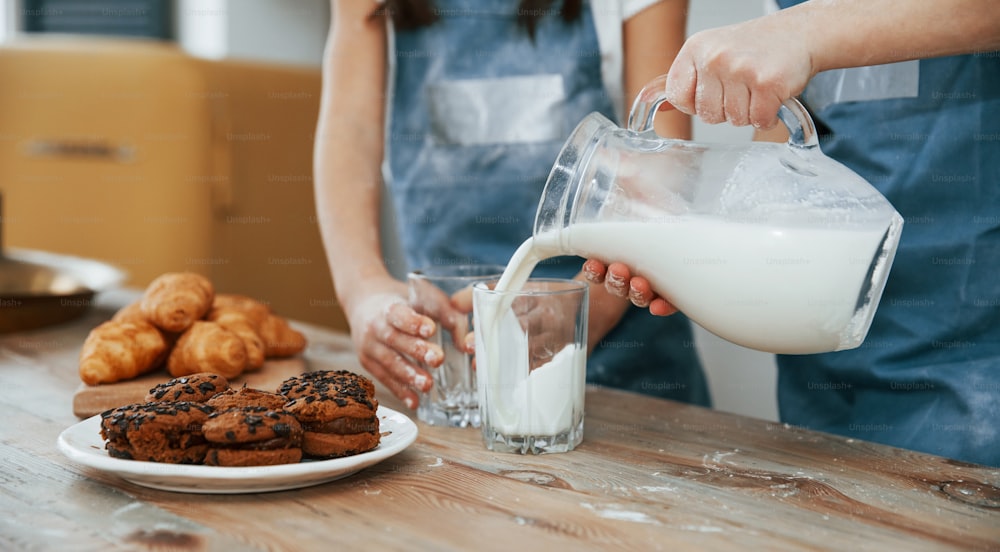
(650, 474)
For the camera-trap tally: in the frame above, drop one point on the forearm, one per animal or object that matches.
(349, 148)
(651, 40)
(852, 33)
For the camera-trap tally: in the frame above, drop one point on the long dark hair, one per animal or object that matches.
(413, 14)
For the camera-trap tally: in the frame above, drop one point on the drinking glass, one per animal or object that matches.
(444, 293)
(531, 359)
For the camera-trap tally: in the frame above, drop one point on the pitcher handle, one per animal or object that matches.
(801, 130)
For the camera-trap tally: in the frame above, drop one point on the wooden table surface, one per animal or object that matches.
(650, 474)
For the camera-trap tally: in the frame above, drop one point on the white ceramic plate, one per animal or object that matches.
(82, 443)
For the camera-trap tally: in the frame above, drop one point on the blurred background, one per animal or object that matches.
(163, 135)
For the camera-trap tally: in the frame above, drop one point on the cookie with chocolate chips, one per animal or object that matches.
(337, 422)
(246, 396)
(198, 387)
(253, 436)
(326, 382)
(168, 432)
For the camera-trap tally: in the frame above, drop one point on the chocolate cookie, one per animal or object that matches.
(246, 396)
(326, 382)
(336, 424)
(253, 436)
(198, 387)
(168, 432)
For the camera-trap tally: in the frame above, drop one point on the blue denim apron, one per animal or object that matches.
(479, 112)
(927, 135)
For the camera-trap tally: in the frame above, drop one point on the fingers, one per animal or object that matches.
(406, 333)
(616, 281)
(640, 292)
(403, 318)
(452, 313)
(413, 347)
(462, 299)
(425, 299)
(403, 378)
(642, 295)
(389, 335)
(660, 307)
(594, 271)
(458, 327)
(469, 343)
(717, 101)
(721, 75)
(455, 318)
(709, 99)
(763, 110)
(400, 390)
(736, 104)
(681, 83)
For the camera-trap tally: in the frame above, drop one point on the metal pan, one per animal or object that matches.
(39, 289)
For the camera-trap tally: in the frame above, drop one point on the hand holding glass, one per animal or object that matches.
(444, 293)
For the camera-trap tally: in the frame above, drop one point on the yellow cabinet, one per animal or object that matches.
(134, 153)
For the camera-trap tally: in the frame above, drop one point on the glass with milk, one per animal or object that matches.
(531, 362)
(774, 247)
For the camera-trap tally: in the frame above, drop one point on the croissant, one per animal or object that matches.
(208, 347)
(175, 300)
(280, 339)
(237, 322)
(131, 312)
(255, 311)
(116, 351)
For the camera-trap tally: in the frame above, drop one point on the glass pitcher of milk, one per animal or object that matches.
(776, 247)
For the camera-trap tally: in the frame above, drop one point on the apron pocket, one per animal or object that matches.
(511, 110)
(863, 84)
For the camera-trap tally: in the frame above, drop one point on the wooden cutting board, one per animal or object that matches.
(94, 399)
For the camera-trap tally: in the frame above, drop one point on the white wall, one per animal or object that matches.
(9, 19)
(202, 27)
(277, 31)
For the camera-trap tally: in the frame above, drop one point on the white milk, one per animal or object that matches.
(522, 402)
(779, 290)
